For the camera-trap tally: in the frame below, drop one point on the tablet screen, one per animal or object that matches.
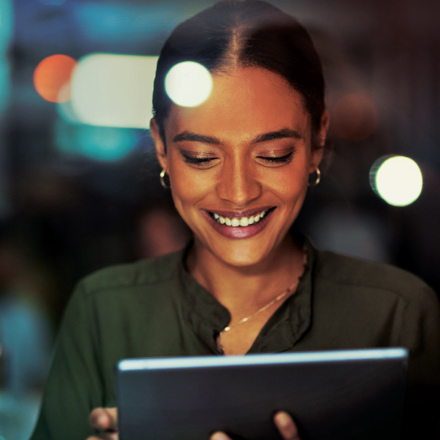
(341, 395)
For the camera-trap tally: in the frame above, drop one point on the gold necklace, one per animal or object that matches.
(246, 319)
(260, 310)
(281, 296)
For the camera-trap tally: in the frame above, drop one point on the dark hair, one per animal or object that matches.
(248, 33)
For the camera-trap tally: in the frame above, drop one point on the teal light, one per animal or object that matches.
(4, 83)
(107, 144)
(6, 24)
(6, 27)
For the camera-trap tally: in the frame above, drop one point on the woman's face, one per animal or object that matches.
(239, 164)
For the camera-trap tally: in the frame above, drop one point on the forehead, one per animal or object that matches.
(243, 104)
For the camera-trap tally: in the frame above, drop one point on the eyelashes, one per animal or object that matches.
(208, 162)
(277, 159)
(201, 162)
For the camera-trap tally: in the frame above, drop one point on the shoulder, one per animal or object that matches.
(358, 275)
(157, 271)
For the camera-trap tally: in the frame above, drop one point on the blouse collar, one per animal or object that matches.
(287, 325)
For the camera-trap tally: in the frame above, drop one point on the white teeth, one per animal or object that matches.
(235, 221)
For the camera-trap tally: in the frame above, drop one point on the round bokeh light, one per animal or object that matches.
(188, 84)
(52, 77)
(398, 180)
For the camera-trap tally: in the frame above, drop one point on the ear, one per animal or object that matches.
(159, 144)
(318, 149)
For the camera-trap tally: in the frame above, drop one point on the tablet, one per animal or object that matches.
(340, 395)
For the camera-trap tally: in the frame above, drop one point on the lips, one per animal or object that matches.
(234, 224)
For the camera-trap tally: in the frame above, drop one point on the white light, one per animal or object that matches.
(398, 180)
(188, 84)
(261, 359)
(114, 90)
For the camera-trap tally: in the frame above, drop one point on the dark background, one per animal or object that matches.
(64, 214)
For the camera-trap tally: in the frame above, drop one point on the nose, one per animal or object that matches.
(238, 183)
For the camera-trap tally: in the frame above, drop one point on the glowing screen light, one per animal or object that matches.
(52, 78)
(113, 90)
(188, 84)
(397, 180)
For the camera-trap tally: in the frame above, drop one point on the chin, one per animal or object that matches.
(243, 258)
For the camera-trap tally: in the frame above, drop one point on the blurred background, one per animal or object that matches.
(79, 184)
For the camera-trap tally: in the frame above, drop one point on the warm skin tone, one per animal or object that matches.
(246, 150)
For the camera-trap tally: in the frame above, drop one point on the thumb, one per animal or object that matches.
(104, 418)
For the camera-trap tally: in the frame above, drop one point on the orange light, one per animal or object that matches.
(52, 78)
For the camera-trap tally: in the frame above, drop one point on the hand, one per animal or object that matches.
(106, 420)
(286, 427)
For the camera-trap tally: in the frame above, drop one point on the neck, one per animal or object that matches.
(244, 288)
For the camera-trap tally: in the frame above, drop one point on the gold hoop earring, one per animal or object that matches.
(162, 180)
(317, 180)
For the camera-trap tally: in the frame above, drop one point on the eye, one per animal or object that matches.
(199, 161)
(276, 160)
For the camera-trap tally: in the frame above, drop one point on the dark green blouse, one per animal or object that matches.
(155, 308)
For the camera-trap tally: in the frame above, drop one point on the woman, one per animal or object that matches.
(239, 166)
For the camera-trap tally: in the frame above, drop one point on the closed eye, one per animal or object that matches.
(199, 161)
(276, 160)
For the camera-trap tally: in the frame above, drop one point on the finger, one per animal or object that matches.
(219, 436)
(104, 419)
(286, 426)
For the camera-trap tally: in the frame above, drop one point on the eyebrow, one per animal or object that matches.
(284, 133)
(194, 137)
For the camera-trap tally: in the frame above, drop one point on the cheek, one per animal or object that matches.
(186, 187)
(289, 183)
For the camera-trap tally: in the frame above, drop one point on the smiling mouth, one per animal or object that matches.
(240, 221)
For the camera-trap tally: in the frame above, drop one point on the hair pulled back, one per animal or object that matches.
(244, 33)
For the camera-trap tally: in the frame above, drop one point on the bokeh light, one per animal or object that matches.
(188, 84)
(113, 90)
(398, 180)
(354, 117)
(52, 2)
(52, 78)
(104, 144)
(6, 24)
(5, 85)
(66, 112)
